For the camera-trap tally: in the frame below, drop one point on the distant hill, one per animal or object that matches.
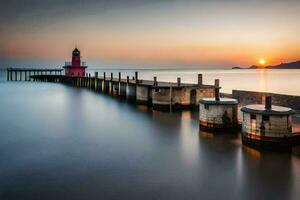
(291, 65)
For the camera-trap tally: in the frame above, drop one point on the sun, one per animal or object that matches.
(262, 61)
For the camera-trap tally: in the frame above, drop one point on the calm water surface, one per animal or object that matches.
(59, 142)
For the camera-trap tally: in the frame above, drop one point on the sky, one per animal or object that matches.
(149, 33)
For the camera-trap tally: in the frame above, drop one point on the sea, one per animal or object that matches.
(60, 142)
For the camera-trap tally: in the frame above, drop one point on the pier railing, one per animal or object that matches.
(20, 74)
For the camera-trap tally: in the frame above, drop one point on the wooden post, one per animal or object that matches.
(170, 97)
(25, 75)
(178, 81)
(268, 103)
(200, 79)
(96, 81)
(155, 81)
(98, 84)
(136, 77)
(10, 78)
(20, 78)
(7, 74)
(127, 86)
(119, 91)
(217, 89)
(111, 83)
(103, 85)
(89, 86)
(217, 83)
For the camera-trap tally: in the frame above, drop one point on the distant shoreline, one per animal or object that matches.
(261, 68)
(291, 65)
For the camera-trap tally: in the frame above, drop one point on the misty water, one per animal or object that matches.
(60, 142)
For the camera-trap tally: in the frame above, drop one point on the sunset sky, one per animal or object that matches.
(150, 33)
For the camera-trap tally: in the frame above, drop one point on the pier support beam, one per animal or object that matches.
(122, 87)
(89, 81)
(111, 84)
(7, 74)
(96, 81)
(119, 91)
(20, 76)
(103, 82)
(143, 95)
(131, 92)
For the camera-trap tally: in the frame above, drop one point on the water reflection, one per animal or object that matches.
(262, 81)
(259, 173)
(189, 148)
(251, 151)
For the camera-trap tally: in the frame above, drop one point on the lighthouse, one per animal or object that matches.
(76, 67)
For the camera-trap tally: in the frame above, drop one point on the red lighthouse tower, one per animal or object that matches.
(76, 67)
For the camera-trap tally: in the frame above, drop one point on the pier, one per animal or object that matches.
(215, 113)
(24, 74)
(159, 95)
